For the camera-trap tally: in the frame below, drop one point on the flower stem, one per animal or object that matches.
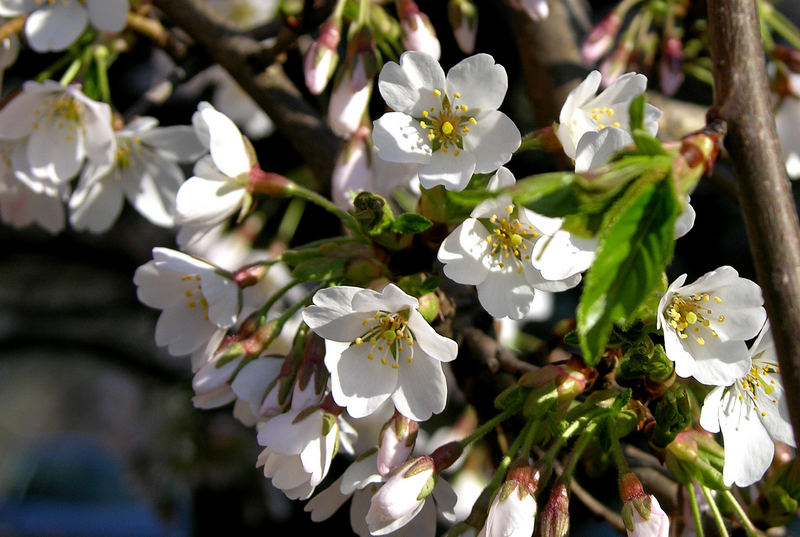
(282, 320)
(505, 462)
(347, 219)
(262, 314)
(580, 445)
(616, 448)
(72, 71)
(491, 424)
(363, 13)
(748, 525)
(698, 522)
(101, 63)
(291, 219)
(723, 531)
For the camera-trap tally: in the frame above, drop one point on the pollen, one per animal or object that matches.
(447, 128)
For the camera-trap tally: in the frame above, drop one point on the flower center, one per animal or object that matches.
(757, 385)
(509, 237)
(389, 338)
(448, 127)
(193, 293)
(67, 113)
(603, 117)
(691, 313)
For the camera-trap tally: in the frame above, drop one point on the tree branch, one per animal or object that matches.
(741, 98)
(243, 57)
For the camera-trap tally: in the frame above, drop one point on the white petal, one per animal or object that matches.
(151, 185)
(505, 293)
(398, 138)
(55, 151)
(408, 87)
(288, 437)
(331, 326)
(155, 286)
(594, 148)
(391, 298)
(421, 388)
(95, 206)
(481, 82)
(709, 415)
(214, 376)
(225, 142)
(623, 90)
(108, 15)
(492, 141)
(500, 180)
(175, 143)
(360, 474)
(251, 382)
(182, 330)
(562, 255)
(207, 200)
(462, 253)
(580, 96)
(453, 172)
(430, 341)
(357, 383)
(18, 115)
(685, 221)
(326, 503)
(748, 447)
(55, 26)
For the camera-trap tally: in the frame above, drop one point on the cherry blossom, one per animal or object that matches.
(53, 26)
(449, 126)
(592, 127)
(59, 127)
(656, 525)
(144, 170)
(706, 325)
(751, 413)
(509, 253)
(379, 347)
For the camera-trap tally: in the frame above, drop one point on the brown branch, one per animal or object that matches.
(741, 98)
(243, 58)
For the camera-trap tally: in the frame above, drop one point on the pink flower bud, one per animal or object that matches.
(321, 58)
(312, 377)
(512, 513)
(401, 497)
(536, 9)
(555, 517)
(670, 68)
(396, 443)
(601, 38)
(464, 21)
(418, 32)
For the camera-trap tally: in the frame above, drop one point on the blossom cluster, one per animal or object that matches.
(337, 347)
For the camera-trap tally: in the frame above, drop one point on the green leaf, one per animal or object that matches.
(647, 145)
(634, 247)
(637, 112)
(410, 223)
(418, 285)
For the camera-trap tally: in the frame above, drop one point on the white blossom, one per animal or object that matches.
(144, 170)
(401, 497)
(449, 126)
(349, 100)
(217, 189)
(751, 413)
(592, 127)
(706, 325)
(379, 347)
(53, 26)
(198, 299)
(300, 445)
(509, 252)
(59, 127)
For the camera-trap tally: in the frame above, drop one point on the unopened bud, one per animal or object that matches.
(536, 9)
(555, 517)
(670, 67)
(464, 20)
(250, 275)
(417, 30)
(601, 38)
(444, 456)
(312, 376)
(396, 442)
(321, 57)
(429, 306)
(788, 55)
